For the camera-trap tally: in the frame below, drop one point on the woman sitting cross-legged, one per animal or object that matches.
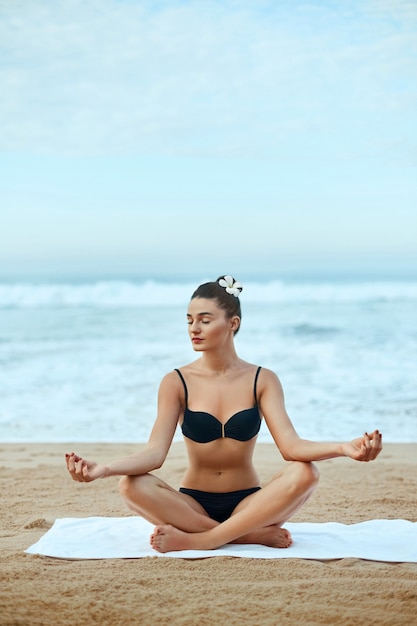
(219, 401)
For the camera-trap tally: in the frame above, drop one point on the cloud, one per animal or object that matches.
(292, 79)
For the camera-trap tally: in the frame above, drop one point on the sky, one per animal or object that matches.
(219, 136)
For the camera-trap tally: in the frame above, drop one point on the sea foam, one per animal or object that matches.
(152, 293)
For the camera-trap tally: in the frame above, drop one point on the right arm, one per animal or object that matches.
(155, 451)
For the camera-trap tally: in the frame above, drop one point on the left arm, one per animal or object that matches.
(291, 446)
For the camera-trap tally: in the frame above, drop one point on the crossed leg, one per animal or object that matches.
(183, 524)
(157, 502)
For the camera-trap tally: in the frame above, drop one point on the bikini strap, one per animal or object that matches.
(254, 384)
(185, 387)
(186, 390)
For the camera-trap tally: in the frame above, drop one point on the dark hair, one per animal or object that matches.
(226, 301)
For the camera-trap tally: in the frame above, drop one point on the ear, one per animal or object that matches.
(234, 323)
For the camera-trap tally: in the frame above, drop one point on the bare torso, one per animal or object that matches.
(224, 464)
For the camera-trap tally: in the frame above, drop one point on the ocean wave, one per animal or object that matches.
(312, 329)
(108, 294)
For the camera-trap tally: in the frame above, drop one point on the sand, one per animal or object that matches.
(154, 591)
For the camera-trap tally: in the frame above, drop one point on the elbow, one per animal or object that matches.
(154, 455)
(287, 456)
(288, 451)
(159, 461)
(291, 450)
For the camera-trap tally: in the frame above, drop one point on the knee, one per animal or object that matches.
(306, 475)
(131, 486)
(125, 487)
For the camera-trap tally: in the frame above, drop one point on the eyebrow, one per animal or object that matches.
(202, 313)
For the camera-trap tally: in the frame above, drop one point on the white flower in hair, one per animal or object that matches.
(232, 286)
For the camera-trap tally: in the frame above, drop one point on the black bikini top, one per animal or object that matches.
(203, 427)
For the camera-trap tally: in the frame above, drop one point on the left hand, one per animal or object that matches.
(364, 448)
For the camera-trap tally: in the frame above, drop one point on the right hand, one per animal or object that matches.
(82, 470)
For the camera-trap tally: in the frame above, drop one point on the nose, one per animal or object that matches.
(195, 327)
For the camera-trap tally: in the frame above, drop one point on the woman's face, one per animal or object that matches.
(208, 325)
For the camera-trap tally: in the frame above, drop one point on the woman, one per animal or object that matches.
(219, 400)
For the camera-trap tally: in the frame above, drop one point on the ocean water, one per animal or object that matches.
(82, 361)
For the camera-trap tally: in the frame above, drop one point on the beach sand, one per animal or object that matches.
(36, 490)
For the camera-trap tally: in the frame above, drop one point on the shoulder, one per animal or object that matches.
(267, 374)
(268, 380)
(171, 383)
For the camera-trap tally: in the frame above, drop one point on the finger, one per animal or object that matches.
(85, 472)
(367, 443)
(379, 443)
(372, 447)
(71, 463)
(376, 444)
(79, 470)
(72, 458)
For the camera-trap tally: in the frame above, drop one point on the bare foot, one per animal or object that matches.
(273, 536)
(167, 538)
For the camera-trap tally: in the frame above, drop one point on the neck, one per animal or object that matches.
(220, 363)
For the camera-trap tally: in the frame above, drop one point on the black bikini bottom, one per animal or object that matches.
(219, 506)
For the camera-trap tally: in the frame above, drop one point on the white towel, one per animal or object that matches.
(128, 538)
